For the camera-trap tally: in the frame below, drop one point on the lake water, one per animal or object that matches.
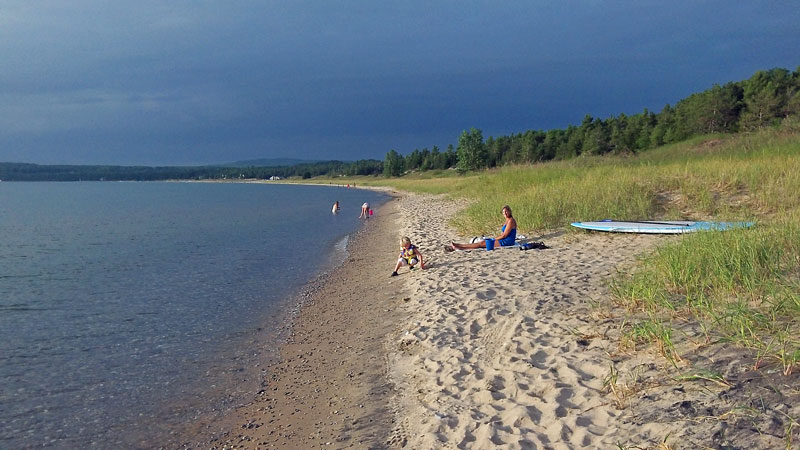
(128, 308)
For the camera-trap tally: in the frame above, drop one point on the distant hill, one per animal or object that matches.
(268, 162)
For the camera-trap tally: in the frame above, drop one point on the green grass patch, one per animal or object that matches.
(744, 285)
(656, 332)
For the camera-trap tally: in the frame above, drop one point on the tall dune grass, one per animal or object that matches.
(743, 285)
(741, 177)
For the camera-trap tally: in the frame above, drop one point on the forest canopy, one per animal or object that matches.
(763, 100)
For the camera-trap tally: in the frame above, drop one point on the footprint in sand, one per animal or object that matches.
(487, 295)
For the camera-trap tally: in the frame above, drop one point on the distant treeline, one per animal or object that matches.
(761, 101)
(36, 172)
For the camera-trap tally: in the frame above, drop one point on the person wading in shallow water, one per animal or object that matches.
(507, 236)
(364, 211)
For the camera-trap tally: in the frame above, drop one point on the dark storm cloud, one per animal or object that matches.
(201, 82)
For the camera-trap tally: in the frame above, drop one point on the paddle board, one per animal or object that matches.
(659, 226)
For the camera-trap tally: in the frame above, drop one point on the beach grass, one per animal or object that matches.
(742, 286)
(741, 177)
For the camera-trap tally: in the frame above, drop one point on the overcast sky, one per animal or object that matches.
(198, 82)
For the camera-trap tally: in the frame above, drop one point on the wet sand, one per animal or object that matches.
(329, 389)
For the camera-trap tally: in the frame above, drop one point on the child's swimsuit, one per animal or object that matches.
(409, 254)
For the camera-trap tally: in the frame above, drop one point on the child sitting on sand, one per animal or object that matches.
(409, 255)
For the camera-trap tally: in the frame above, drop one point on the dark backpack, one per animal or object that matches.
(533, 245)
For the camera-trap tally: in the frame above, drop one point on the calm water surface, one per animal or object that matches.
(127, 308)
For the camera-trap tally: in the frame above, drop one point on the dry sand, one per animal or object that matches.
(486, 350)
(515, 349)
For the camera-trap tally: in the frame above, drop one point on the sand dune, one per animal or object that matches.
(506, 349)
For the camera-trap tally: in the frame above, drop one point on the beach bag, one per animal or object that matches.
(533, 245)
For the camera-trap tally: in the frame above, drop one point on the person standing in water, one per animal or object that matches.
(335, 207)
(364, 211)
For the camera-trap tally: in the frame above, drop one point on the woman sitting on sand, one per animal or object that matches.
(506, 238)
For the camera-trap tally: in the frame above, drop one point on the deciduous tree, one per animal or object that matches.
(472, 153)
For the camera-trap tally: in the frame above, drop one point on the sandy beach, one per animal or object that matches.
(484, 350)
